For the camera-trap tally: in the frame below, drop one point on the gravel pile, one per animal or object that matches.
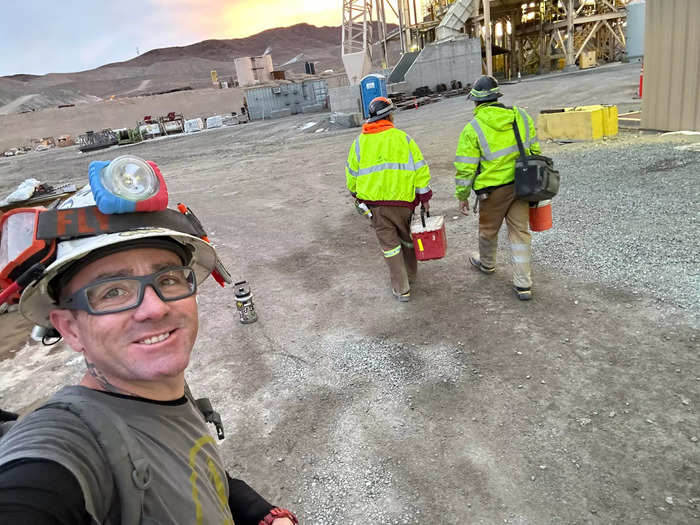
(627, 217)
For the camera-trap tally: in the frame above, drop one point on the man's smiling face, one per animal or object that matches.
(147, 344)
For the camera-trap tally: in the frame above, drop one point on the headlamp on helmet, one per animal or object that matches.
(127, 184)
(130, 195)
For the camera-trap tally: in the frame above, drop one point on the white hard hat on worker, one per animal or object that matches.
(128, 223)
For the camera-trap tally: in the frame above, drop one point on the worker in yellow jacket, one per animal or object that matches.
(387, 172)
(485, 163)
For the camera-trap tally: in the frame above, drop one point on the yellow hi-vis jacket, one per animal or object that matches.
(386, 167)
(488, 143)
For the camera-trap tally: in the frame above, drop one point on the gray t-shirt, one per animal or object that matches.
(189, 482)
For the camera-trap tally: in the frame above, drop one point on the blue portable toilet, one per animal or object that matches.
(371, 87)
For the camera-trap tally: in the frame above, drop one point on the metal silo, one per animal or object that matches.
(634, 32)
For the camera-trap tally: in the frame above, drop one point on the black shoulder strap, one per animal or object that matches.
(130, 468)
(7, 420)
(5, 427)
(518, 139)
(210, 415)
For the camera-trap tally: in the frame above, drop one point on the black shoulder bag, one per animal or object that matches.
(535, 177)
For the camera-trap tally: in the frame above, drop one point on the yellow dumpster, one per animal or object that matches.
(578, 123)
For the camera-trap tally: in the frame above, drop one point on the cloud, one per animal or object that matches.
(226, 19)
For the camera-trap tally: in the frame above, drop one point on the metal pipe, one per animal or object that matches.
(570, 33)
(381, 19)
(487, 36)
(401, 35)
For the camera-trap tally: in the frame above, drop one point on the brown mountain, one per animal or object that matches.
(169, 68)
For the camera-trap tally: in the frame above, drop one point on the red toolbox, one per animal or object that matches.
(429, 239)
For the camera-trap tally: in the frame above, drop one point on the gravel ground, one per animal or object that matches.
(464, 405)
(627, 216)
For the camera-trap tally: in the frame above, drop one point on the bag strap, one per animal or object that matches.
(130, 467)
(423, 213)
(210, 415)
(518, 139)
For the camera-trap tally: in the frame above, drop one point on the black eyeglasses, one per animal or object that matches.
(116, 294)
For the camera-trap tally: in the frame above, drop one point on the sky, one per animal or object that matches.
(62, 36)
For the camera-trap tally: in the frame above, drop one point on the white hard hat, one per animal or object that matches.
(36, 301)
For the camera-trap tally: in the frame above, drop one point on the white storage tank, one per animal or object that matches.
(634, 30)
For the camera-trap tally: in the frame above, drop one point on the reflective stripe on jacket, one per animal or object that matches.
(489, 139)
(385, 166)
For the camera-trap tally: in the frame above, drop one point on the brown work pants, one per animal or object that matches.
(502, 204)
(393, 227)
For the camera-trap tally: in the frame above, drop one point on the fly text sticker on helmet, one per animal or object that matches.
(72, 223)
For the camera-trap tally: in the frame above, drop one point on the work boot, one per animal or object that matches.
(476, 263)
(402, 297)
(524, 294)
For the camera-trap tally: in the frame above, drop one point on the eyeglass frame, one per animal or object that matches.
(78, 300)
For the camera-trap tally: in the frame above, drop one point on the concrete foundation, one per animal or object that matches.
(442, 62)
(314, 108)
(279, 113)
(345, 99)
(347, 120)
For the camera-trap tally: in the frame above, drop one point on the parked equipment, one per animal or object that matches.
(172, 123)
(94, 140)
(193, 125)
(215, 122)
(149, 128)
(127, 136)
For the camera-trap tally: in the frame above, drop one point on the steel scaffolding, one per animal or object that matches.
(526, 36)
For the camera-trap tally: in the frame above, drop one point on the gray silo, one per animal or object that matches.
(634, 31)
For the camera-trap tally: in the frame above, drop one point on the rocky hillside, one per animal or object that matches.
(169, 68)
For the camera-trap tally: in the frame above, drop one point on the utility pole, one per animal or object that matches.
(570, 33)
(487, 36)
(381, 22)
(514, 53)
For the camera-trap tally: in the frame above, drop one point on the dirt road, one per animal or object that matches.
(463, 405)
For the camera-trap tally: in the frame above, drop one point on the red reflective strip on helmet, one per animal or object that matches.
(382, 99)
